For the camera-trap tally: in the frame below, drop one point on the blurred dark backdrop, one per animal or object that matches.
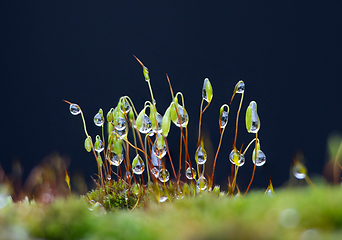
(288, 54)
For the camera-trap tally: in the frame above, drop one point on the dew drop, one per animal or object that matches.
(74, 109)
(236, 157)
(162, 199)
(201, 183)
(240, 87)
(125, 108)
(184, 117)
(159, 123)
(164, 175)
(98, 119)
(138, 165)
(299, 170)
(114, 159)
(155, 172)
(98, 146)
(261, 158)
(255, 125)
(109, 177)
(128, 175)
(159, 147)
(224, 119)
(200, 155)
(190, 173)
(121, 124)
(146, 125)
(122, 133)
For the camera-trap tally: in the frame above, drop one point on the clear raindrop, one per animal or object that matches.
(98, 146)
(121, 124)
(261, 158)
(240, 87)
(255, 119)
(190, 173)
(98, 119)
(200, 155)
(159, 147)
(299, 170)
(164, 175)
(138, 165)
(201, 183)
(159, 118)
(115, 159)
(224, 119)
(75, 109)
(184, 117)
(146, 125)
(236, 156)
(155, 172)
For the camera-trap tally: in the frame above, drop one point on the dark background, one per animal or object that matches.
(288, 54)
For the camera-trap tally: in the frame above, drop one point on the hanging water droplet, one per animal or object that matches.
(159, 147)
(201, 155)
(159, 123)
(207, 90)
(155, 172)
(121, 124)
(190, 173)
(162, 198)
(138, 165)
(109, 177)
(236, 157)
(255, 121)
(128, 175)
(299, 170)
(240, 87)
(98, 146)
(125, 108)
(224, 119)
(74, 109)
(98, 119)
(201, 183)
(261, 158)
(146, 125)
(164, 175)
(183, 115)
(115, 159)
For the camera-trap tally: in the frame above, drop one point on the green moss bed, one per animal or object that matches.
(297, 213)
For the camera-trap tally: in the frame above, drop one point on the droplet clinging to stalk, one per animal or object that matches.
(164, 175)
(252, 118)
(159, 147)
(236, 158)
(201, 154)
(138, 165)
(74, 109)
(98, 144)
(207, 91)
(143, 123)
(190, 173)
(183, 119)
(201, 183)
(98, 118)
(223, 120)
(299, 170)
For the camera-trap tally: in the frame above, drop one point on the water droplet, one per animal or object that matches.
(240, 87)
(155, 172)
(207, 90)
(74, 109)
(261, 158)
(159, 123)
(200, 155)
(146, 125)
(190, 173)
(125, 108)
(121, 124)
(138, 165)
(114, 159)
(224, 119)
(98, 146)
(122, 133)
(98, 119)
(162, 199)
(164, 175)
(255, 121)
(128, 175)
(159, 147)
(236, 157)
(109, 177)
(182, 113)
(299, 170)
(201, 183)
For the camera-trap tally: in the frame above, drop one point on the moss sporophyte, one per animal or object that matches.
(145, 176)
